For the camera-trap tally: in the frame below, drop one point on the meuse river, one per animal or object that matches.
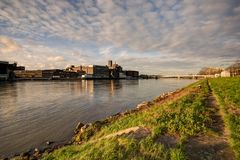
(33, 112)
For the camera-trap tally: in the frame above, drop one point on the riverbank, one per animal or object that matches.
(185, 124)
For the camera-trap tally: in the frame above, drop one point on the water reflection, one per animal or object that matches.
(8, 98)
(37, 111)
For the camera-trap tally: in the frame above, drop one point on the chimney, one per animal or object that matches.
(110, 63)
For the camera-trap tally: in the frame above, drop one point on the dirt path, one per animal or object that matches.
(212, 147)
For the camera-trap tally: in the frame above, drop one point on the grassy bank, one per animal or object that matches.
(227, 91)
(171, 128)
(185, 117)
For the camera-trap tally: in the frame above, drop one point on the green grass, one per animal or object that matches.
(182, 118)
(227, 91)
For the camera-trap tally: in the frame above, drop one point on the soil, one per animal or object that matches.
(214, 146)
(168, 141)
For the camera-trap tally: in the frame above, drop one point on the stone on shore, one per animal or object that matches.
(78, 127)
(49, 142)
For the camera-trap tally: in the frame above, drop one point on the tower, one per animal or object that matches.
(110, 63)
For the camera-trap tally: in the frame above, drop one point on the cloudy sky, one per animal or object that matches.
(152, 36)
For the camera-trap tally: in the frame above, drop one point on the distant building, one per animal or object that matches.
(122, 75)
(45, 74)
(20, 68)
(210, 71)
(225, 73)
(110, 63)
(131, 74)
(25, 74)
(6, 70)
(96, 71)
(112, 71)
(234, 69)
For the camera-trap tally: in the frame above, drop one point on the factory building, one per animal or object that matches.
(75, 69)
(110, 71)
(25, 74)
(6, 70)
(131, 74)
(53, 73)
(114, 70)
(95, 71)
(45, 74)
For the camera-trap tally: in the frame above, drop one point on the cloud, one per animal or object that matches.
(203, 29)
(8, 45)
(55, 59)
(106, 52)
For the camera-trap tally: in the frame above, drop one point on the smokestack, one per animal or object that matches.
(110, 63)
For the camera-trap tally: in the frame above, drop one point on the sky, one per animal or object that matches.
(152, 36)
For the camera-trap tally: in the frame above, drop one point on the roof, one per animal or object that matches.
(4, 62)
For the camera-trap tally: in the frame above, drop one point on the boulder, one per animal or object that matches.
(78, 127)
(24, 154)
(142, 105)
(49, 142)
(83, 128)
(36, 150)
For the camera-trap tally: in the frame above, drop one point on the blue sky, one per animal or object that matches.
(152, 36)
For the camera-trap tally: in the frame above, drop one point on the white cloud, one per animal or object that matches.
(55, 59)
(201, 29)
(106, 52)
(8, 45)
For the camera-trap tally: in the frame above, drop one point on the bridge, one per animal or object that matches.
(194, 76)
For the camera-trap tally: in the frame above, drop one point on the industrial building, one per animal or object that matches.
(6, 70)
(28, 74)
(131, 74)
(110, 71)
(45, 74)
(115, 70)
(95, 71)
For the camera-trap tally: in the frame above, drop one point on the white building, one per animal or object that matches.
(225, 73)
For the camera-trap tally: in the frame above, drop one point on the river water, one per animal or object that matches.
(33, 112)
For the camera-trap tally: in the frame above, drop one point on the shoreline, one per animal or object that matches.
(36, 153)
(77, 79)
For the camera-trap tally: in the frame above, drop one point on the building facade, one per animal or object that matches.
(7, 70)
(225, 73)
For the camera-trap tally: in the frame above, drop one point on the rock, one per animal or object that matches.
(49, 142)
(125, 113)
(34, 158)
(149, 103)
(36, 150)
(24, 154)
(134, 110)
(117, 115)
(142, 105)
(109, 117)
(98, 124)
(83, 128)
(78, 127)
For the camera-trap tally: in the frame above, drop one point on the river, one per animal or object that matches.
(33, 112)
